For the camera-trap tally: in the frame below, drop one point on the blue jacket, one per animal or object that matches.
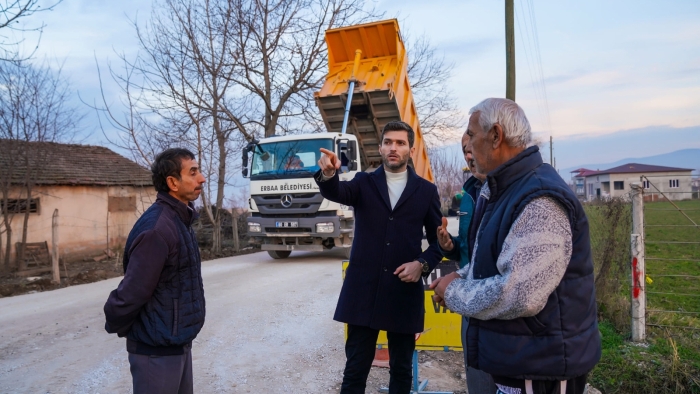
(461, 251)
(562, 341)
(372, 296)
(159, 305)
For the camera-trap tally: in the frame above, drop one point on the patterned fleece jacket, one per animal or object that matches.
(535, 255)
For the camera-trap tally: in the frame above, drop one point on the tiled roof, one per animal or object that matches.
(582, 172)
(635, 168)
(586, 173)
(52, 163)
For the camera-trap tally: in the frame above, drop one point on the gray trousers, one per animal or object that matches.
(478, 382)
(162, 374)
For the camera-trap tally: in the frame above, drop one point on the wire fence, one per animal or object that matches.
(671, 281)
(672, 256)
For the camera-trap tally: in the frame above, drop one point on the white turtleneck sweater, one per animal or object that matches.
(396, 182)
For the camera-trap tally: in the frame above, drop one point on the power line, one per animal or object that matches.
(531, 44)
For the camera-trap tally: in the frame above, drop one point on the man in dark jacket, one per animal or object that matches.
(382, 288)
(159, 305)
(529, 290)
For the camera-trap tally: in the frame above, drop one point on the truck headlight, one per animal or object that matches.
(325, 227)
(254, 227)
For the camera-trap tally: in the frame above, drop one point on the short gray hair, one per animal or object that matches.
(509, 115)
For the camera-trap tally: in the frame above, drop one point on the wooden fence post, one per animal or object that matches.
(639, 301)
(236, 241)
(54, 248)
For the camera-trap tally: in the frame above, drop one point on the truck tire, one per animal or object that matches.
(279, 254)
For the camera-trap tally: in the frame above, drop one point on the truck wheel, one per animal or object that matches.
(279, 254)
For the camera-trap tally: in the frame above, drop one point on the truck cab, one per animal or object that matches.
(287, 210)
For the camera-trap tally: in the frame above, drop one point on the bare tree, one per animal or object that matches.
(429, 75)
(179, 92)
(448, 170)
(200, 62)
(11, 12)
(283, 56)
(34, 110)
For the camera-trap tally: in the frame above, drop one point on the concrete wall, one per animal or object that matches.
(86, 226)
(661, 180)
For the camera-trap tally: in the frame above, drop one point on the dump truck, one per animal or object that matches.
(366, 87)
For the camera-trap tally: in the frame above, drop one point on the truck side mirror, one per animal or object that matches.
(352, 155)
(244, 166)
(347, 152)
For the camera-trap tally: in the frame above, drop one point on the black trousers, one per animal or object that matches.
(359, 350)
(162, 374)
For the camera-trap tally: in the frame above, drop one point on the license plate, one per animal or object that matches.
(286, 224)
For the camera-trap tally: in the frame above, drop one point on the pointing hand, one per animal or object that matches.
(328, 162)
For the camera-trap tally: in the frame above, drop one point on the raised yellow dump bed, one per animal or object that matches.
(381, 94)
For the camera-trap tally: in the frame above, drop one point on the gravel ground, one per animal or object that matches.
(269, 329)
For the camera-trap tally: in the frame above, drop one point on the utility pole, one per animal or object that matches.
(510, 51)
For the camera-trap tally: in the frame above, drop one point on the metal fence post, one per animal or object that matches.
(639, 301)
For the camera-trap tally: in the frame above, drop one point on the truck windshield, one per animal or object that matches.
(287, 159)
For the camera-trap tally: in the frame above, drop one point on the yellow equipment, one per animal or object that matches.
(368, 62)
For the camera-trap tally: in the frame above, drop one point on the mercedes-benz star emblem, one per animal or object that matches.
(286, 200)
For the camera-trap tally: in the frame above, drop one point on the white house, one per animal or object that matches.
(674, 183)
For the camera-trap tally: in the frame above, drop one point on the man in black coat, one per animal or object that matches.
(382, 288)
(159, 305)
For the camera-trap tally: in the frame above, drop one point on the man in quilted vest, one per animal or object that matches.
(457, 248)
(159, 305)
(529, 290)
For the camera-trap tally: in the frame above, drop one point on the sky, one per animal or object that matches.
(623, 74)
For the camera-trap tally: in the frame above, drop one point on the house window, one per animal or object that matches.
(590, 189)
(673, 183)
(646, 184)
(121, 204)
(619, 185)
(19, 205)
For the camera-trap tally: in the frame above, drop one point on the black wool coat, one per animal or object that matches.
(372, 296)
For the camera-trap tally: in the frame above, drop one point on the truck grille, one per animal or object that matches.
(301, 203)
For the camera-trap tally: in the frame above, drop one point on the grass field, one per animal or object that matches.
(683, 259)
(670, 361)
